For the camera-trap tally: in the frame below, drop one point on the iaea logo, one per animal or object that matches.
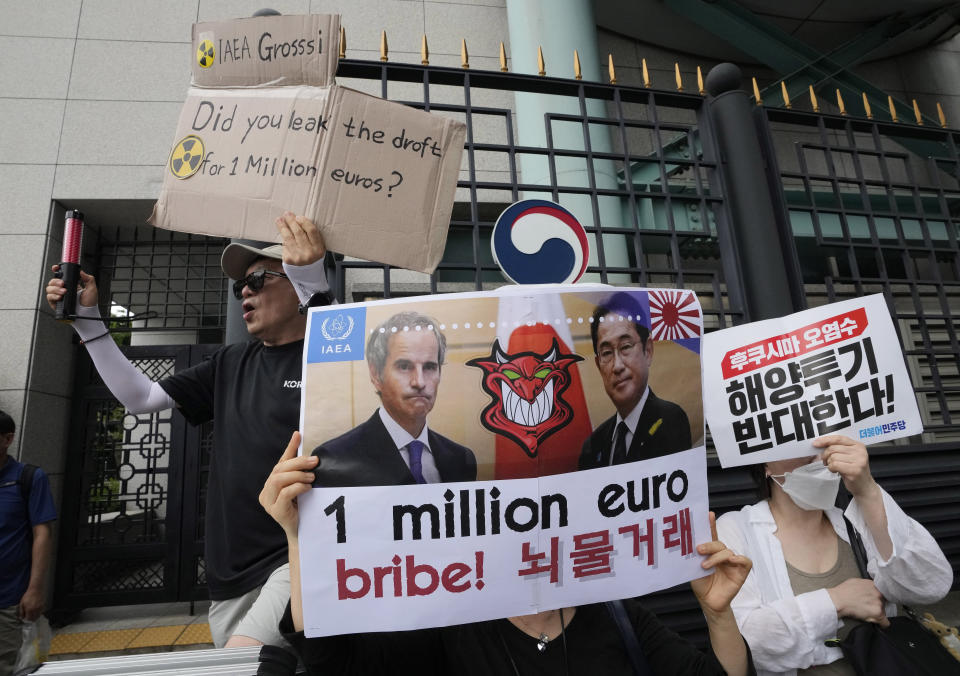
(336, 334)
(539, 242)
(337, 328)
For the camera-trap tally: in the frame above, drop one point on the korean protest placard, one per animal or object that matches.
(835, 369)
(265, 130)
(501, 402)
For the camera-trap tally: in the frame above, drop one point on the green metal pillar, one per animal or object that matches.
(559, 27)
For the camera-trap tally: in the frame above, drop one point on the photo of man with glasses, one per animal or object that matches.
(644, 426)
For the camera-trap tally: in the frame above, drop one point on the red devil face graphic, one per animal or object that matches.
(526, 388)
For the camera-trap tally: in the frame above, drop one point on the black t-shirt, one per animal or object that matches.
(593, 646)
(252, 393)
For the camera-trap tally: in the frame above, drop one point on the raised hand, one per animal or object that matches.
(716, 591)
(849, 459)
(302, 241)
(87, 294)
(290, 477)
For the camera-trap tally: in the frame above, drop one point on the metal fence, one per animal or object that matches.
(132, 523)
(642, 170)
(866, 215)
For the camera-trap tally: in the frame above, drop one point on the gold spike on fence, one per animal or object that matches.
(541, 66)
(843, 108)
(866, 107)
(646, 73)
(424, 52)
(813, 100)
(786, 95)
(700, 88)
(893, 109)
(943, 118)
(677, 76)
(916, 113)
(577, 74)
(610, 69)
(503, 59)
(383, 46)
(756, 91)
(464, 55)
(343, 43)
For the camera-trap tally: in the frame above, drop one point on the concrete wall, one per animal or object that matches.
(89, 97)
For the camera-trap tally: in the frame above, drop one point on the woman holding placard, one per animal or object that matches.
(586, 639)
(805, 587)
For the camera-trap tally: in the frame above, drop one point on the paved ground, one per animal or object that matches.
(128, 630)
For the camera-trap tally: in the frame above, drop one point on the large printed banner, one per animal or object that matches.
(835, 369)
(501, 404)
(409, 557)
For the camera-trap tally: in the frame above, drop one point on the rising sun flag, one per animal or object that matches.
(674, 315)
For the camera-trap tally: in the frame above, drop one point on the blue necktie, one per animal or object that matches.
(415, 448)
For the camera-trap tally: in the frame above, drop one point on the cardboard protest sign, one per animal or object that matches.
(267, 51)
(523, 404)
(835, 369)
(378, 178)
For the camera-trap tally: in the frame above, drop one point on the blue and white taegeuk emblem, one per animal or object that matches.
(539, 242)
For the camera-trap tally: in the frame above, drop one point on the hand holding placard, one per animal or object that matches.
(291, 476)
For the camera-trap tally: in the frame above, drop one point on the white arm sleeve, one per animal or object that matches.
(131, 387)
(307, 279)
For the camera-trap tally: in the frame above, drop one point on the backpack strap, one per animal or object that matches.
(860, 554)
(26, 482)
(637, 660)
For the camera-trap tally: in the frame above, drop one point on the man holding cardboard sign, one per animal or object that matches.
(252, 393)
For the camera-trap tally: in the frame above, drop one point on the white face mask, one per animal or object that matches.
(811, 486)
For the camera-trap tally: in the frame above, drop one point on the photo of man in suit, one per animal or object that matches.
(395, 446)
(644, 426)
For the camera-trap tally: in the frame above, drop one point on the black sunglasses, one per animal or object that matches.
(254, 280)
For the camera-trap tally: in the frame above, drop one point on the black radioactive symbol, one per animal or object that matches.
(205, 54)
(186, 157)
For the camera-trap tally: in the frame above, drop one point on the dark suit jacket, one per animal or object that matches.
(367, 456)
(672, 435)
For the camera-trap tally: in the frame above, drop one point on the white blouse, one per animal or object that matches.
(786, 632)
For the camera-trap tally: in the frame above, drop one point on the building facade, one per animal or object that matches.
(91, 91)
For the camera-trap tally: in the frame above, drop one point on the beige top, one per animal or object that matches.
(801, 582)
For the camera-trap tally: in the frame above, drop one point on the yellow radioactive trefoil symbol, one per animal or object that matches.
(187, 156)
(205, 53)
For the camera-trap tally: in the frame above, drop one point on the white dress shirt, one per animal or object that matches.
(631, 421)
(786, 632)
(428, 466)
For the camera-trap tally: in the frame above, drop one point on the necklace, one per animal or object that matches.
(542, 637)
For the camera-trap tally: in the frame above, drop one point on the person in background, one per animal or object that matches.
(805, 586)
(26, 510)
